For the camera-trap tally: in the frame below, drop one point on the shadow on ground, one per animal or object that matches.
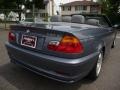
(26, 80)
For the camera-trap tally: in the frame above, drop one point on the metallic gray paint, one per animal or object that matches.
(49, 63)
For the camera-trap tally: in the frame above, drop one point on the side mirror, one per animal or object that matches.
(117, 26)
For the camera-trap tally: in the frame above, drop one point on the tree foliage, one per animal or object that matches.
(111, 8)
(37, 3)
(13, 4)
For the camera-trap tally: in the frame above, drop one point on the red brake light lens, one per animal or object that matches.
(11, 37)
(68, 44)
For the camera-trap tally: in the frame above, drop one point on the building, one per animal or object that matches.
(46, 10)
(50, 7)
(80, 7)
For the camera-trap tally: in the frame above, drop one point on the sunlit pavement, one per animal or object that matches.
(13, 77)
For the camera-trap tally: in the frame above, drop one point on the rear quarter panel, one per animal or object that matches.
(96, 39)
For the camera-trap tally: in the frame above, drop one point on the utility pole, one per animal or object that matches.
(53, 7)
(33, 10)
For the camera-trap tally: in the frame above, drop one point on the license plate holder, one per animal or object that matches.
(29, 41)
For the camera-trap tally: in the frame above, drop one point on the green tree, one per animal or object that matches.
(111, 8)
(11, 5)
(38, 4)
(15, 4)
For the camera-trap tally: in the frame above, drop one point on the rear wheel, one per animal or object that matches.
(94, 74)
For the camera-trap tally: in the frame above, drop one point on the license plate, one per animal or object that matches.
(29, 41)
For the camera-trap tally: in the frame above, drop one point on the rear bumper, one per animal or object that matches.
(60, 69)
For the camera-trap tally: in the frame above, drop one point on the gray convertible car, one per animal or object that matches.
(66, 49)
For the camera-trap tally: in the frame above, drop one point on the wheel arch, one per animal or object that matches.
(101, 47)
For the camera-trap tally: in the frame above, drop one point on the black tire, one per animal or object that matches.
(114, 44)
(94, 74)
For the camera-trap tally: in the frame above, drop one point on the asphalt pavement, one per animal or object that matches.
(13, 77)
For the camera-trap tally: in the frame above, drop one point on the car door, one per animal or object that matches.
(110, 32)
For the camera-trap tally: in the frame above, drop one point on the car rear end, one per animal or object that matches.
(55, 54)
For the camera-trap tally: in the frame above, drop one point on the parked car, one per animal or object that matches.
(66, 49)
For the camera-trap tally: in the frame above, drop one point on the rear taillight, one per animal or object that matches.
(11, 37)
(68, 44)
